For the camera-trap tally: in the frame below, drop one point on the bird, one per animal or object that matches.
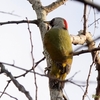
(57, 43)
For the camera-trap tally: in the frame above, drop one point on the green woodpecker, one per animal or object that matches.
(58, 44)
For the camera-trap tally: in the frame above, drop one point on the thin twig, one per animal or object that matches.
(94, 22)
(4, 89)
(10, 13)
(85, 51)
(14, 66)
(87, 82)
(23, 74)
(32, 60)
(90, 3)
(74, 83)
(31, 68)
(21, 21)
(31, 42)
(9, 95)
(84, 91)
(73, 76)
(39, 61)
(85, 18)
(94, 11)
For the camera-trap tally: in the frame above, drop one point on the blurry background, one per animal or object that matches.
(15, 48)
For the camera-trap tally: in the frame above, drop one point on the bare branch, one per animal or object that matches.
(94, 22)
(85, 18)
(87, 82)
(4, 89)
(39, 61)
(90, 3)
(80, 38)
(9, 95)
(71, 78)
(31, 42)
(16, 67)
(86, 51)
(16, 83)
(30, 70)
(74, 83)
(22, 21)
(10, 13)
(23, 74)
(54, 5)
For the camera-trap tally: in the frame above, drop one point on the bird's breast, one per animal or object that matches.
(58, 44)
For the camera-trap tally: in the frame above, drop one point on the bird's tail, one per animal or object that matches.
(57, 74)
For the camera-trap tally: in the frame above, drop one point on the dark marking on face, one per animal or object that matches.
(52, 22)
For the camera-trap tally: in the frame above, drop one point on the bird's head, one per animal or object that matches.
(58, 22)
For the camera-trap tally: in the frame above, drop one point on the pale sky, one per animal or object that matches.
(15, 48)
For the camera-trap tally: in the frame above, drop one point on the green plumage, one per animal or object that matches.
(58, 44)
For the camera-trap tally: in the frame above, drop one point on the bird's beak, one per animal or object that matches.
(48, 22)
(48, 25)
